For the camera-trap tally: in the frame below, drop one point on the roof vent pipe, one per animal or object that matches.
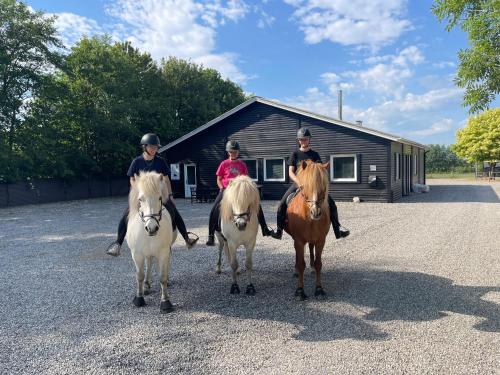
(359, 122)
(340, 104)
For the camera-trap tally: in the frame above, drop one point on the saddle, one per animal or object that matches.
(291, 196)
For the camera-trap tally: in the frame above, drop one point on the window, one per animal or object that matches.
(397, 163)
(415, 164)
(344, 168)
(252, 168)
(274, 169)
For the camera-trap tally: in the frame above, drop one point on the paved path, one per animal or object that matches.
(414, 289)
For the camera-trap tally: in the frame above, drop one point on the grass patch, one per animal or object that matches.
(454, 175)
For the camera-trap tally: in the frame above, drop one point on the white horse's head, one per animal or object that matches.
(147, 197)
(240, 203)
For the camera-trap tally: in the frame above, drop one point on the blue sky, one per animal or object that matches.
(393, 60)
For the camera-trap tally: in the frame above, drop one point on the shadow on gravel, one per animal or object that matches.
(455, 194)
(369, 296)
(412, 296)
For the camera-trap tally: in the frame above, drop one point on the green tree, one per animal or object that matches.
(479, 141)
(196, 95)
(92, 115)
(479, 69)
(28, 53)
(441, 158)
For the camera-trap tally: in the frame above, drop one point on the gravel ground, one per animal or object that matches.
(414, 289)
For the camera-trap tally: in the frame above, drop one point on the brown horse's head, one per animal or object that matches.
(313, 186)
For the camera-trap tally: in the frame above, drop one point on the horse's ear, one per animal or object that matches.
(304, 164)
(326, 165)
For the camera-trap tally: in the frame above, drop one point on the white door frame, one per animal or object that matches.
(187, 187)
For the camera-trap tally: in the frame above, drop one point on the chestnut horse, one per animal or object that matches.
(308, 221)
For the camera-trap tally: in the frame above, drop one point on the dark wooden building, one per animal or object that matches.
(365, 163)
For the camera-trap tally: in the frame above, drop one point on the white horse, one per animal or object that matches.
(150, 234)
(239, 210)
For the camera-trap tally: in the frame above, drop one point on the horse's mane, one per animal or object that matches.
(148, 183)
(241, 195)
(312, 177)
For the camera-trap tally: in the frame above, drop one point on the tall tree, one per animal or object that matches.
(479, 70)
(479, 141)
(196, 95)
(28, 53)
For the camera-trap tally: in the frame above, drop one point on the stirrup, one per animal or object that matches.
(191, 242)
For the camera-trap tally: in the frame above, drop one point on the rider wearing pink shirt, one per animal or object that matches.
(229, 169)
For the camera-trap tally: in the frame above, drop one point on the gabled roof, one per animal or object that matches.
(285, 107)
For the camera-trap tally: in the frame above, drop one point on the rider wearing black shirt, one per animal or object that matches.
(149, 161)
(305, 153)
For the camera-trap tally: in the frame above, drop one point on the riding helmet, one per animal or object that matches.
(150, 139)
(232, 146)
(303, 133)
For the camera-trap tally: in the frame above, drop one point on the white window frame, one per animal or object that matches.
(175, 172)
(332, 174)
(265, 170)
(415, 164)
(398, 166)
(256, 168)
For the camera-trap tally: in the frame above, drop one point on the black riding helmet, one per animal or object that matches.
(232, 146)
(150, 139)
(303, 133)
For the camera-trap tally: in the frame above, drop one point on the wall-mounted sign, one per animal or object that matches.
(175, 172)
(373, 168)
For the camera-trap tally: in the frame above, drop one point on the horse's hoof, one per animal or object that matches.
(300, 294)
(319, 292)
(147, 292)
(218, 270)
(166, 306)
(139, 301)
(295, 274)
(238, 271)
(250, 290)
(235, 289)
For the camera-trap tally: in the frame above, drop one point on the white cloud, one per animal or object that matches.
(265, 20)
(441, 126)
(73, 27)
(444, 64)
(386, 77)
(406, 116)
(186, 29)
(351, 22)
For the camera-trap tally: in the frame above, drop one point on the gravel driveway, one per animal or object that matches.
(414, 289)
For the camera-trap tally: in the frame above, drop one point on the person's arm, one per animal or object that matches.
(169, 187)
(293, 176)
(132, 181)
(219, 182)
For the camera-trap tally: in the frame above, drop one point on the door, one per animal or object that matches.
(189, 179)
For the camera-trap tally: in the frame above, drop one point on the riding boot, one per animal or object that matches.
(178, 222)
(338, 229)
(114, 249)
(266, 231)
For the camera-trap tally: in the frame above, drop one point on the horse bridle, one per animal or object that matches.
(156, 217)
(310, 201)
(245, 215)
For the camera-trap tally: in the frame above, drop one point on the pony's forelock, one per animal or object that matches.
(149, 184)
(312, 175)
(241, 194)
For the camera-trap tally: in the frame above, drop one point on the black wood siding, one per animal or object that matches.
(268, 132)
